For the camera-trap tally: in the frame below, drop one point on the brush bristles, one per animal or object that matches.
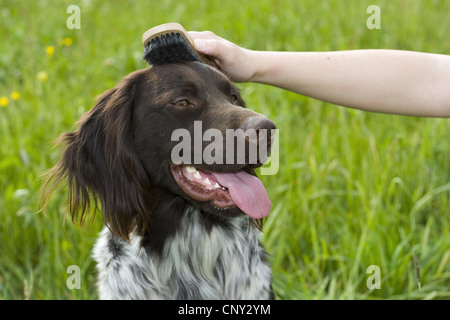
(169, 48)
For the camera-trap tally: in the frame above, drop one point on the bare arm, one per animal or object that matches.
(387, 81)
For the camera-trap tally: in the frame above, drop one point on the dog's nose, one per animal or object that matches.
(259, 132)
(259, 123)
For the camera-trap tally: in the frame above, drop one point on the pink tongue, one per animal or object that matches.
(247, 192)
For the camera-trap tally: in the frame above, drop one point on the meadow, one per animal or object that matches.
(354, 189)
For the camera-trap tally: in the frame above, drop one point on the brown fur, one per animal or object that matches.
(118, 159)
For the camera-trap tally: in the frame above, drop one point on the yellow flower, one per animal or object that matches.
(15, 95)
(50, 51)
(4, 101)
(42, 76)
(67, 42)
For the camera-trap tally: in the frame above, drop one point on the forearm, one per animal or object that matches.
(387, 81)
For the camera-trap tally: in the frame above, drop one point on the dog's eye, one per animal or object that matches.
(182, 103)
(234, 99)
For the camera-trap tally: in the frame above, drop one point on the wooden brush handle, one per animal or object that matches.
(174, 27)
(166, 28)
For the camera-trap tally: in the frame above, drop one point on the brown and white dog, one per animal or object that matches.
(173, 230)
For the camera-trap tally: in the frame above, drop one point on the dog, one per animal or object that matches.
(172, 230)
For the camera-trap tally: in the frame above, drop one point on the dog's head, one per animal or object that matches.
(176, 129)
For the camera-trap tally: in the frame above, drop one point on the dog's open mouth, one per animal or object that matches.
(224, 190)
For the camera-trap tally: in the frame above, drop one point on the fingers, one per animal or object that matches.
(209, 47)
(228, 57)
(202, 35)
(206, 42)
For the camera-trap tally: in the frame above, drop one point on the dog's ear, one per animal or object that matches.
(101, 167)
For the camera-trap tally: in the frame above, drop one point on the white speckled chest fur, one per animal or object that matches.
(225, 262)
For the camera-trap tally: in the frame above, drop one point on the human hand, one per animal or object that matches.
(234, 61)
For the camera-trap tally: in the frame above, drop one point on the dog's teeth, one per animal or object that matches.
(207, 182)
(197, 175)
(223, 188)
(217, 186)
(191, 169)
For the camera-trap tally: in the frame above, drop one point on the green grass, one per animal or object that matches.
(354, 189)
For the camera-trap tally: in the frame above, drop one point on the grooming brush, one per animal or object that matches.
(170, 43)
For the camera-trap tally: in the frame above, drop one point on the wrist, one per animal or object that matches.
(256, 66)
